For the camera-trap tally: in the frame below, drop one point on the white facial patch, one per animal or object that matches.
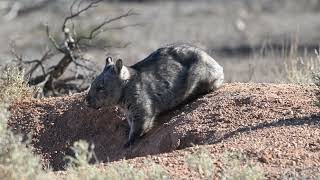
(124, 73)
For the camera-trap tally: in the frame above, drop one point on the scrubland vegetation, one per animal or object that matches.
(18, 160)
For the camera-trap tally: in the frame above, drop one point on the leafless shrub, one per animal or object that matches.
(201, 162)
(72, 48)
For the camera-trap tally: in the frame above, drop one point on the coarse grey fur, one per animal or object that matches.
(166, 78)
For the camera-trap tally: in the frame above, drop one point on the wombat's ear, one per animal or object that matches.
(108, 60)
(119, 65)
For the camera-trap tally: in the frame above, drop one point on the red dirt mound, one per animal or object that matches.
(278, 124)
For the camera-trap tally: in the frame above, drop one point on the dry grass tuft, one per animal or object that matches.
(300, 69)
(234, 165)
(16, 159)
(13, 86)
(316, 80)
(202, 162)
(238, 166)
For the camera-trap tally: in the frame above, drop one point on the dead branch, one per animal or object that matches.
(83, 66)
(50, 78)
(52, 40)
(73, 15)
(46, 55)
(98, 29)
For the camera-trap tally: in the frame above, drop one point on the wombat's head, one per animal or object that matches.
(106, 89)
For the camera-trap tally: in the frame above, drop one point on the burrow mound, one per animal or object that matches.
(55, 123)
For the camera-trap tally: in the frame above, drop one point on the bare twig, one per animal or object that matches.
(122, 27)
(83, 66)
(72, 5)
(38, 63)
(18, 57)
(97, 30)
(73, 15)
(52, 40)
(46, 55)
(72, 78)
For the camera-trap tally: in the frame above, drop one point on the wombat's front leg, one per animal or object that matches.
(138, 127)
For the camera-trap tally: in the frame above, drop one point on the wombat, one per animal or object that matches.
(165, 79)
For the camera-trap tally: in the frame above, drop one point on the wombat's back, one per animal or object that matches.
(174, 73)
(181, 53)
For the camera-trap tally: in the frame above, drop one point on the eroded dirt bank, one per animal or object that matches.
(277, 125)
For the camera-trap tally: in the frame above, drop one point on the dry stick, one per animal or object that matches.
(83, 66)
(69, 43)
(95, 31)
(57, 71)
(52, 40)
(32, 70)
(18, 57)
(123, 27)
(72, 78)
(90, 5)
(70, 49)
(46, 56)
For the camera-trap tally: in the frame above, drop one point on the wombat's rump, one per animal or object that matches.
(166, 78)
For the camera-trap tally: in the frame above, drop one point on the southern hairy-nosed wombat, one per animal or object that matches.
(166, 78)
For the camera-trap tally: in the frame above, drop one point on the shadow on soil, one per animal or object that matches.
(57, 130)
(312, 120)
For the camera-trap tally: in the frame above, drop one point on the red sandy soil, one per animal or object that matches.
(275, 125)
